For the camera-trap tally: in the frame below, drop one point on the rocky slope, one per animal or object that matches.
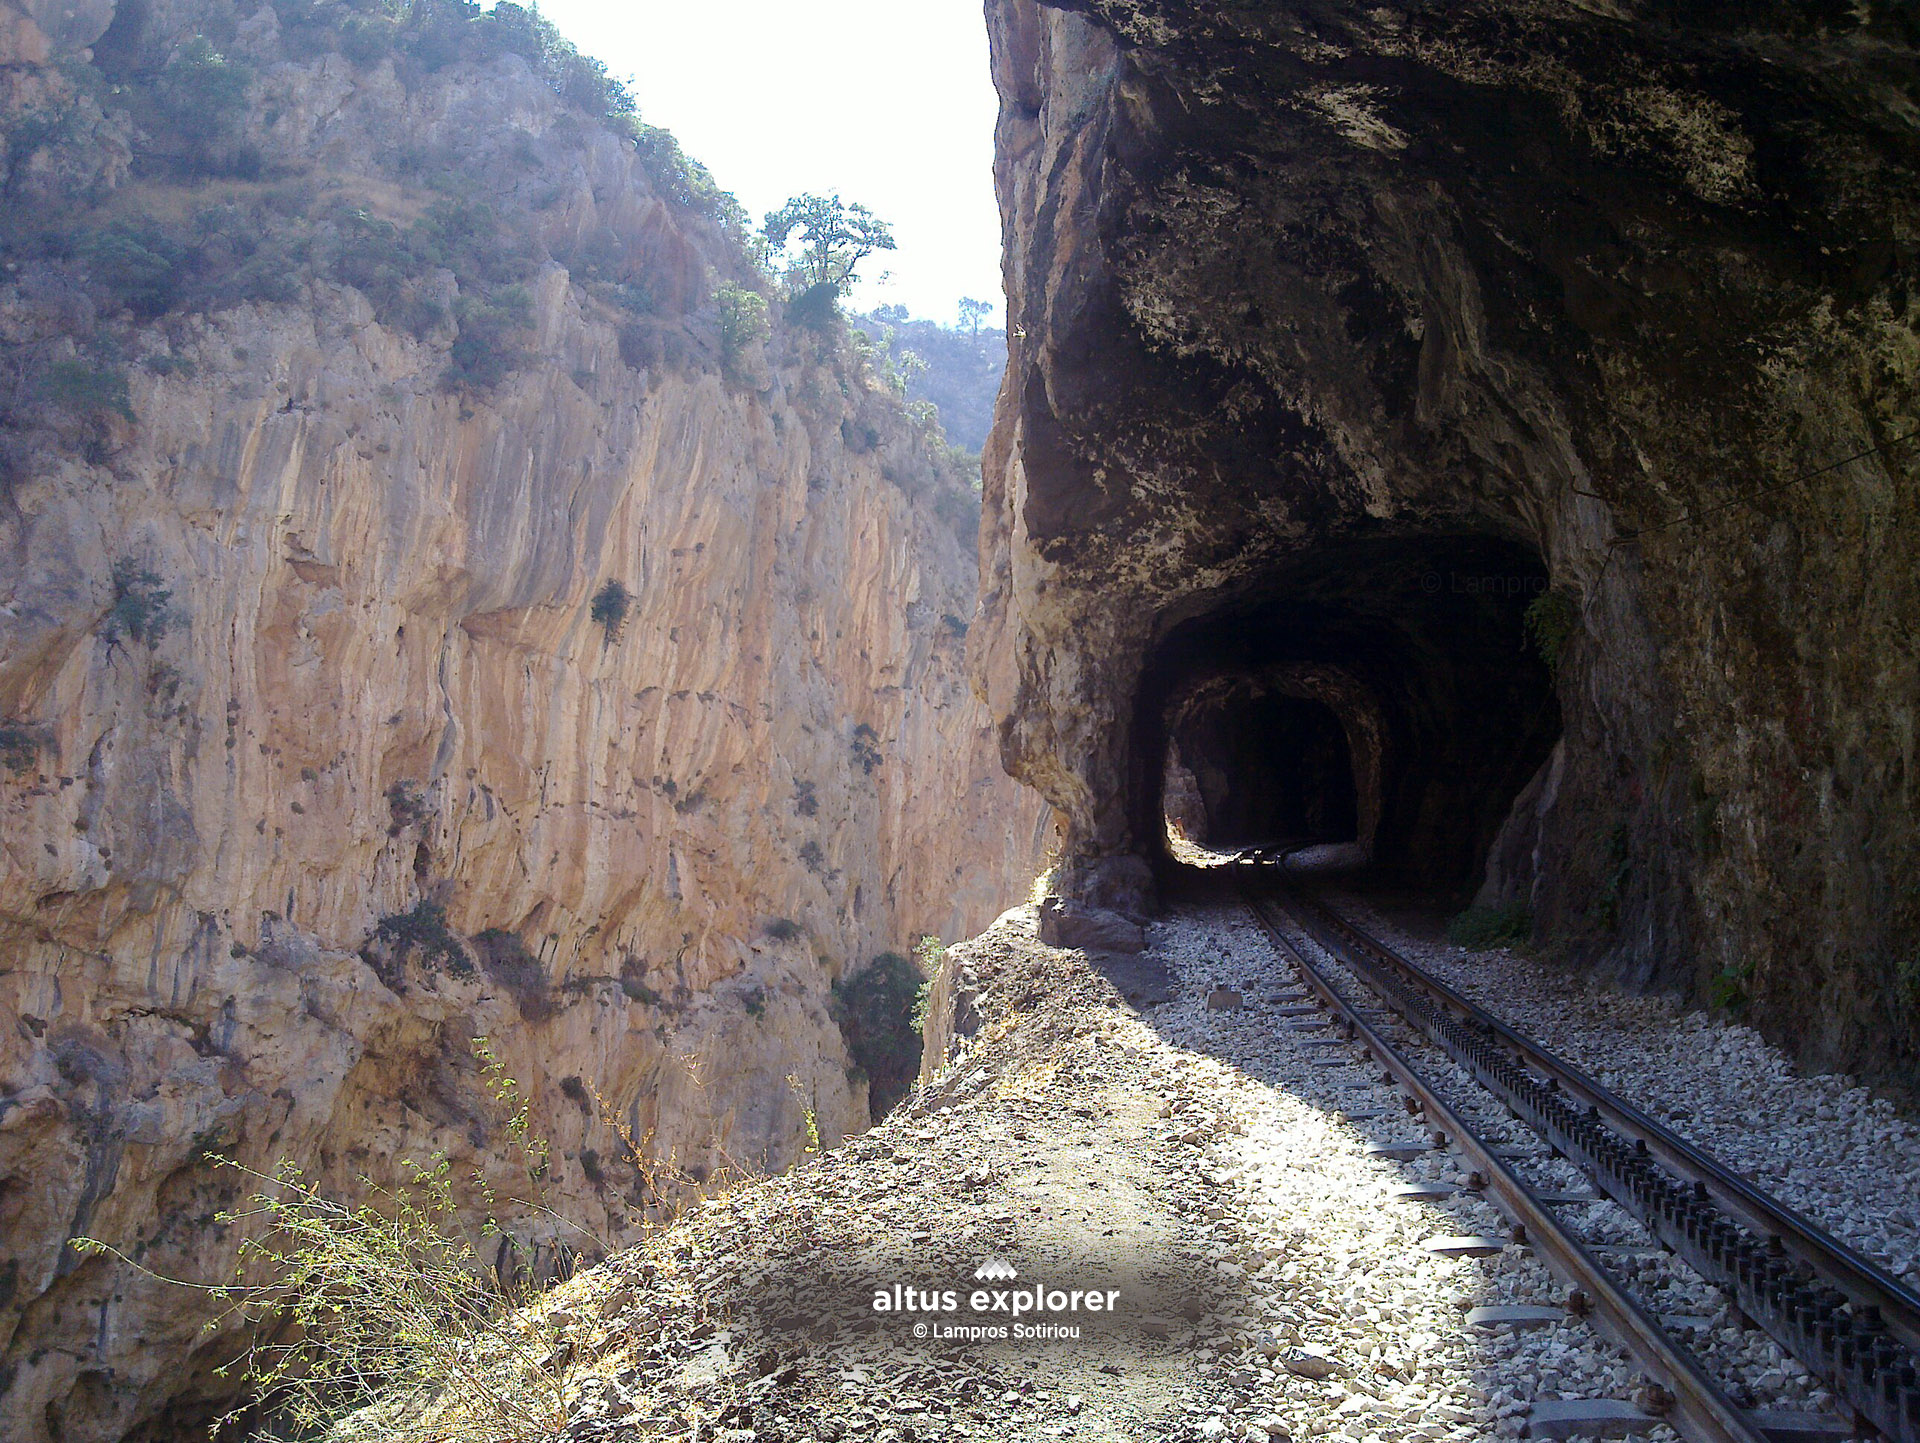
(462, 624)
(1344, 334)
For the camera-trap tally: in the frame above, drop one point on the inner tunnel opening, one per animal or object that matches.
(1379, 693)
(1267, 769)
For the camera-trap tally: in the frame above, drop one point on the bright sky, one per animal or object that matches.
(888, 102)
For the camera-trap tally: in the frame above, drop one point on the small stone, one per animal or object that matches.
(1310, 1365)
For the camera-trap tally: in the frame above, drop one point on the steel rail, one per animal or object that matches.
(1852, 1323)
(1701, 1410)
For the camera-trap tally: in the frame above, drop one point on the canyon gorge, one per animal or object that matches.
(464, 615)
(611, 707)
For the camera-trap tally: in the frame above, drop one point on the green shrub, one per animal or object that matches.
(423, 927)
(816, 307)
(783, 929)
(960, 511)
(396, 1304)
(1619, 876)
(1479, 928)
(196, 104)
(34, 129)
(812, 858)
(388, 266)
(136, 264)
(609, 609)
(464, 236)
(743, 323)
(874, 1008)
(1726, 989)
(1906, 978)
(366, 42)
(248, 253)
(1551, 621)
(19, 746)
(865, 748)
(930, 953)
(805, 802)
(487, 349)
(686, 182)
(406, 807)
(373, 257)
(86, 391)
(139, 610)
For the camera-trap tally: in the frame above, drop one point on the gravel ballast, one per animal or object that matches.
(1822, 1144)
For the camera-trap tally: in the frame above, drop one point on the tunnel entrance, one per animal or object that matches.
(1377, 692)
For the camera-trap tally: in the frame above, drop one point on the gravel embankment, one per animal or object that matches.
(1206, 1158)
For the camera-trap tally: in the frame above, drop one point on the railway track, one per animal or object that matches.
(1849, 1323)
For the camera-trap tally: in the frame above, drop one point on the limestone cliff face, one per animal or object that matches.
(308, 639)
(1337, 326)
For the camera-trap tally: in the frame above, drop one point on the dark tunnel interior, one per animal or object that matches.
(1263, 766)
(1381, 692)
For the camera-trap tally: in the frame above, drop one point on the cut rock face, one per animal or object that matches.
(1452, 428)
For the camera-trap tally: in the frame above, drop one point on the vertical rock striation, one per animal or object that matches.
(613, 711)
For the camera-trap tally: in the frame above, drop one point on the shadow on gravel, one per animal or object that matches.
(1143, 979)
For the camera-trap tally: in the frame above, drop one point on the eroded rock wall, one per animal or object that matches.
(308, 639)
(1627, 286)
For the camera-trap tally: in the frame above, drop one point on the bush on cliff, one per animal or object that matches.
(139, 611)
(488, 346)
(874, 1008)
(610, 606)
(193, 111)
(20, 746)
(86, 391)
(422, 928)
(397, 1300)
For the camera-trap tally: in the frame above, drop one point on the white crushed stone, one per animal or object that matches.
(1822, 1144)
(1335, 1269)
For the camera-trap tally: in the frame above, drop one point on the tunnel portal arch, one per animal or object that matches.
(1414, 646)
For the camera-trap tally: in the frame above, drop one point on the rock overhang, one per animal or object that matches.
(1287, 277)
